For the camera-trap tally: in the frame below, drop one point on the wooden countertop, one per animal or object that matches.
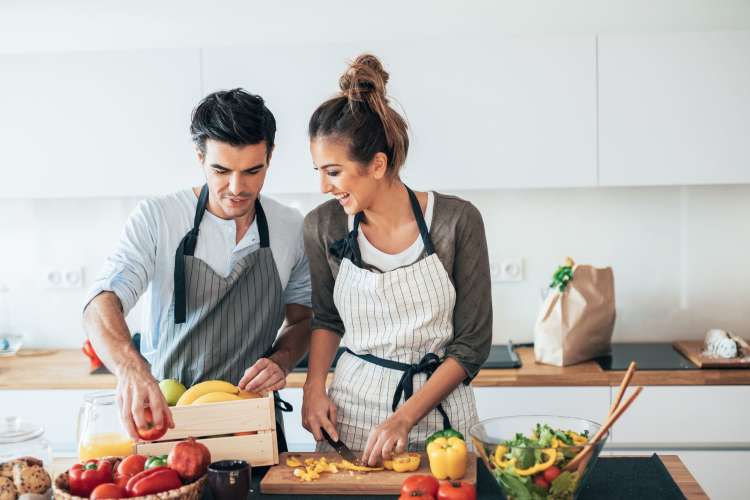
(681, 475)
(68, 369)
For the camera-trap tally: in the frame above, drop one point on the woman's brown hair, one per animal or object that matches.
(361, 114)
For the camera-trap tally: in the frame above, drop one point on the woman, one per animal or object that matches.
(401, 277)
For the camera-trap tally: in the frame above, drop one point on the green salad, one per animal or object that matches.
(531, 468)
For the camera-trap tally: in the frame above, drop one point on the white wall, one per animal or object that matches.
(40, 25)
(679, 255)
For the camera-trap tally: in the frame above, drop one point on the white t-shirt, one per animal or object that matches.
(143, 261)
(386, 262)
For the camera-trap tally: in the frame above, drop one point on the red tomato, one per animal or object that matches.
(421, 484)
(551, 473)
(108, 490)
(151, 432)
(416, 496)
(456, 490)
(541, 482)
(132, 465)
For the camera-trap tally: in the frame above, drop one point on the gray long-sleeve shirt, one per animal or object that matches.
(457, 233)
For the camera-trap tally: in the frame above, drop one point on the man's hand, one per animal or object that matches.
(137, 391)
(264, 375)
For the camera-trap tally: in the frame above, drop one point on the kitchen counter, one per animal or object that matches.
(681, 475)
(68, 369)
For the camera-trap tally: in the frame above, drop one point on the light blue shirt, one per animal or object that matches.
(143, 262)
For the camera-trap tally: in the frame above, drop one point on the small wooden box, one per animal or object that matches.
(214, 425)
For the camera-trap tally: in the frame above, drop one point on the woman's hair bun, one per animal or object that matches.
(364, 76)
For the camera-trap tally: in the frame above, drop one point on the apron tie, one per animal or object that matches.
(347, 247)
(405, 388)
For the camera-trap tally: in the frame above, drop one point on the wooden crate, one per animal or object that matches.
(213, 425)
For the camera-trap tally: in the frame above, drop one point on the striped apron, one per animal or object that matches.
(222, 325)
(397, 325)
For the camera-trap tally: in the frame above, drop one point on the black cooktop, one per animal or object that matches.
(647, 355)
(500, 357)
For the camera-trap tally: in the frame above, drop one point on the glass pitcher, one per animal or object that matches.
(99, 431)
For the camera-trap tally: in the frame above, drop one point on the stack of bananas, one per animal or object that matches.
(214, 391)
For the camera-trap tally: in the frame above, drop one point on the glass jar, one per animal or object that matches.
(21, 438)
(99, 431)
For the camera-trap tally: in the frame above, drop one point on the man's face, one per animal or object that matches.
(234, 175)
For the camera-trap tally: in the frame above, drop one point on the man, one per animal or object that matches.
(223, 268)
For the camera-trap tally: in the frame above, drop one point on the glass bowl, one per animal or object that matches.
(526, 454)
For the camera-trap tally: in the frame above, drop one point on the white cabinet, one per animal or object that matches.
(591, 403)
(664, 416)
(55, 410)
(98, 123)
(297, 437)
(495, 112)
(674, 108)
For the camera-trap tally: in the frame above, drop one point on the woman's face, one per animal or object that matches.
(353, 184)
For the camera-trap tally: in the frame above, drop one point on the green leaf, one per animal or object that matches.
(513, 486)
(564, 484)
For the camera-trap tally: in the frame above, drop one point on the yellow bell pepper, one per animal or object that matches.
(551, 459)
(448, 457)
(347, 465)
(293, 461)
(500, 451)
(404, 462)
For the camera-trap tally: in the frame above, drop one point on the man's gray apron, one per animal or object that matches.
(222, 325)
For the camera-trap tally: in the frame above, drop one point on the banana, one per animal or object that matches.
(216, 397)
(206, 387)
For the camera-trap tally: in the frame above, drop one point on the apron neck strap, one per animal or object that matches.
(260, 217)
(187, 247)
(421, 224)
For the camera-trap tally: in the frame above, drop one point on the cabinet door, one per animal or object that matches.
(99, 123)
(55, 410)
(492, 112)
(674, 108)
(297, 437)
(591, 403)
(700, 415)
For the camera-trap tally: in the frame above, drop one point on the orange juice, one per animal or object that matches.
(108, 444)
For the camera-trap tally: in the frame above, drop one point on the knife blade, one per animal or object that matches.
(340, 448)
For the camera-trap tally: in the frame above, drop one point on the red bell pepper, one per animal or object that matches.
(161, 479)
(88, 350)
(83, 478)
(134, 479)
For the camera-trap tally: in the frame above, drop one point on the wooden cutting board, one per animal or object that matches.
(692, 350)
(280, 478)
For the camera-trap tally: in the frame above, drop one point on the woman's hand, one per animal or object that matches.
(388, 438)
(318, 411)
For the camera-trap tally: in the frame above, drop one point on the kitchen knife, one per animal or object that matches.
(340, 448)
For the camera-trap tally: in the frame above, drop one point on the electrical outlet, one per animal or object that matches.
(506, 270)
(69, 277)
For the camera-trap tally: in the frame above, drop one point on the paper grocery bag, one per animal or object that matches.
(576, 324)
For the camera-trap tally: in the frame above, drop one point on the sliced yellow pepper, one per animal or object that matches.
(500, 451)
(293, 461)
(551, 459)
(404, 462)
(448, 457)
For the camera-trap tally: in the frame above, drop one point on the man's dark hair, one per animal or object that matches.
(235, 117)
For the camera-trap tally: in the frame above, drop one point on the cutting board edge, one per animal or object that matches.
(318, 488)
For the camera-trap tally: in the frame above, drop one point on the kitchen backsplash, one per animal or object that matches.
(679, 254)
